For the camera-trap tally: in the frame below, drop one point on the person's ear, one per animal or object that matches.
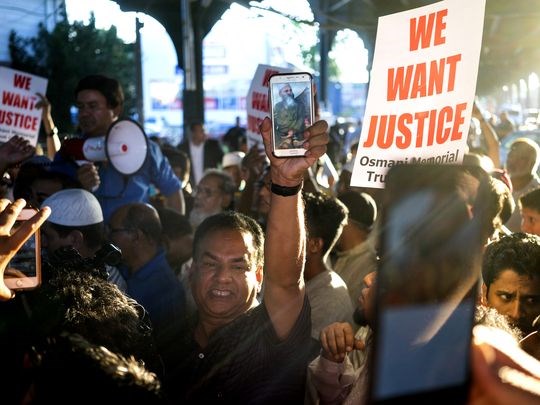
(314, 244)
(191, 274)
(226, 201)
(76, 240)
(483, 298)
(259, 275)
(117, 111)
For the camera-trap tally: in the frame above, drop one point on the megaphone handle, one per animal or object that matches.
(81, 163)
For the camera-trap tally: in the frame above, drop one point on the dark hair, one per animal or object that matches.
(110, 88)
(519, 252)
(177, 158)
(195, 124)
(174, 225)
(508, 204)
(30, 172)
(80, 302)
(230, 220)
(70, 369)
(325, 217)
(531, 200)
(143, 217)
(361, 206)
(94, 235)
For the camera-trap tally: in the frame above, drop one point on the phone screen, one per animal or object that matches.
(426, 289)
(292, 111)
(24, 269)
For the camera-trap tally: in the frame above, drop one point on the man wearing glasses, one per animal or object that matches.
(136, 229)
(99, 100)
(213, 194)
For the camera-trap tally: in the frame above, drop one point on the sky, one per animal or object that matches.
(349, 52)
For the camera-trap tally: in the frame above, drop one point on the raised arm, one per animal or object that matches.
(492, 140)
(15, 150)
(284, 251)
(53, 141)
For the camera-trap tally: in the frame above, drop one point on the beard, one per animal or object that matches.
(197, 216)
(289, 100)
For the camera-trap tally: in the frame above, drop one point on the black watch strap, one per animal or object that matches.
(285, 191)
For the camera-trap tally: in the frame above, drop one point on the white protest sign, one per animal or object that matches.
(258, 106)
(18, 115)
(422, 88)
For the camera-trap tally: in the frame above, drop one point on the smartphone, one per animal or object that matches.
(292, 109)
(23, 272)
(427, 284)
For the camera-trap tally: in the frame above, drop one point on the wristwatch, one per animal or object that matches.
(285, 191)
(54, 131)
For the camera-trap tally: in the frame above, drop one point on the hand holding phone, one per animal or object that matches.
(17, 226)
(292, 106)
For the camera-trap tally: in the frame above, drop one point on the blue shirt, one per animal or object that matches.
(117, 189)
(158, 290)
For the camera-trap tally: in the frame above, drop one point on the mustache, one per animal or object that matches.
(289, 99)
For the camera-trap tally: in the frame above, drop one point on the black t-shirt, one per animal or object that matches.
(245, 363)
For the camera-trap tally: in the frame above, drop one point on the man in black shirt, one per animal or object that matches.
(238, 351)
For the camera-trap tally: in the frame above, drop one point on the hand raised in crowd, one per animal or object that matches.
(11, 242)
(88, 176)
(289, 172)
(337, 339)
(45, 107)
(476, 113)
(14, 151)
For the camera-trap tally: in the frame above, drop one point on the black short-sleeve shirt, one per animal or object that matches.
(245, 363)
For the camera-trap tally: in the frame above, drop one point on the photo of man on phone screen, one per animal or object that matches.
(291, 116)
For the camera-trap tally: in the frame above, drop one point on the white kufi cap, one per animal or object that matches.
(233, 159)
(74, 207)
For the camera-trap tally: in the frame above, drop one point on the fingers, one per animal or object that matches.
(316, 139)
(5, 293)
(337, 340)
(9, 214)
(266, 128)
(88, 176)
(30, 226)
(4, 202)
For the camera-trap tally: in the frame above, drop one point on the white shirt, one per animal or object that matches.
(197, 161)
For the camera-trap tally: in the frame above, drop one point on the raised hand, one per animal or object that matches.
(88, 176)
(14, 151)
(11, 242)
(289, 172)
(337, 339)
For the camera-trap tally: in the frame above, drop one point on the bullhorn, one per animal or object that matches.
(125, 146)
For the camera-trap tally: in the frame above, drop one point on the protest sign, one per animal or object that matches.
(258, 105)
(422, 88)
(18, 115)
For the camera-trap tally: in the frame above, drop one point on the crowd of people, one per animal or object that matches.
(219, 275)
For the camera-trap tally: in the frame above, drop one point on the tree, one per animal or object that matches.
(312, 56)
(72, 51)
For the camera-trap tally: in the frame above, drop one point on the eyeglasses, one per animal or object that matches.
(205, 191)
(91, 107)
(116, 230)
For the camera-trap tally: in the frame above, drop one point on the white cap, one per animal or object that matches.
(232, 159)
(74, 207)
